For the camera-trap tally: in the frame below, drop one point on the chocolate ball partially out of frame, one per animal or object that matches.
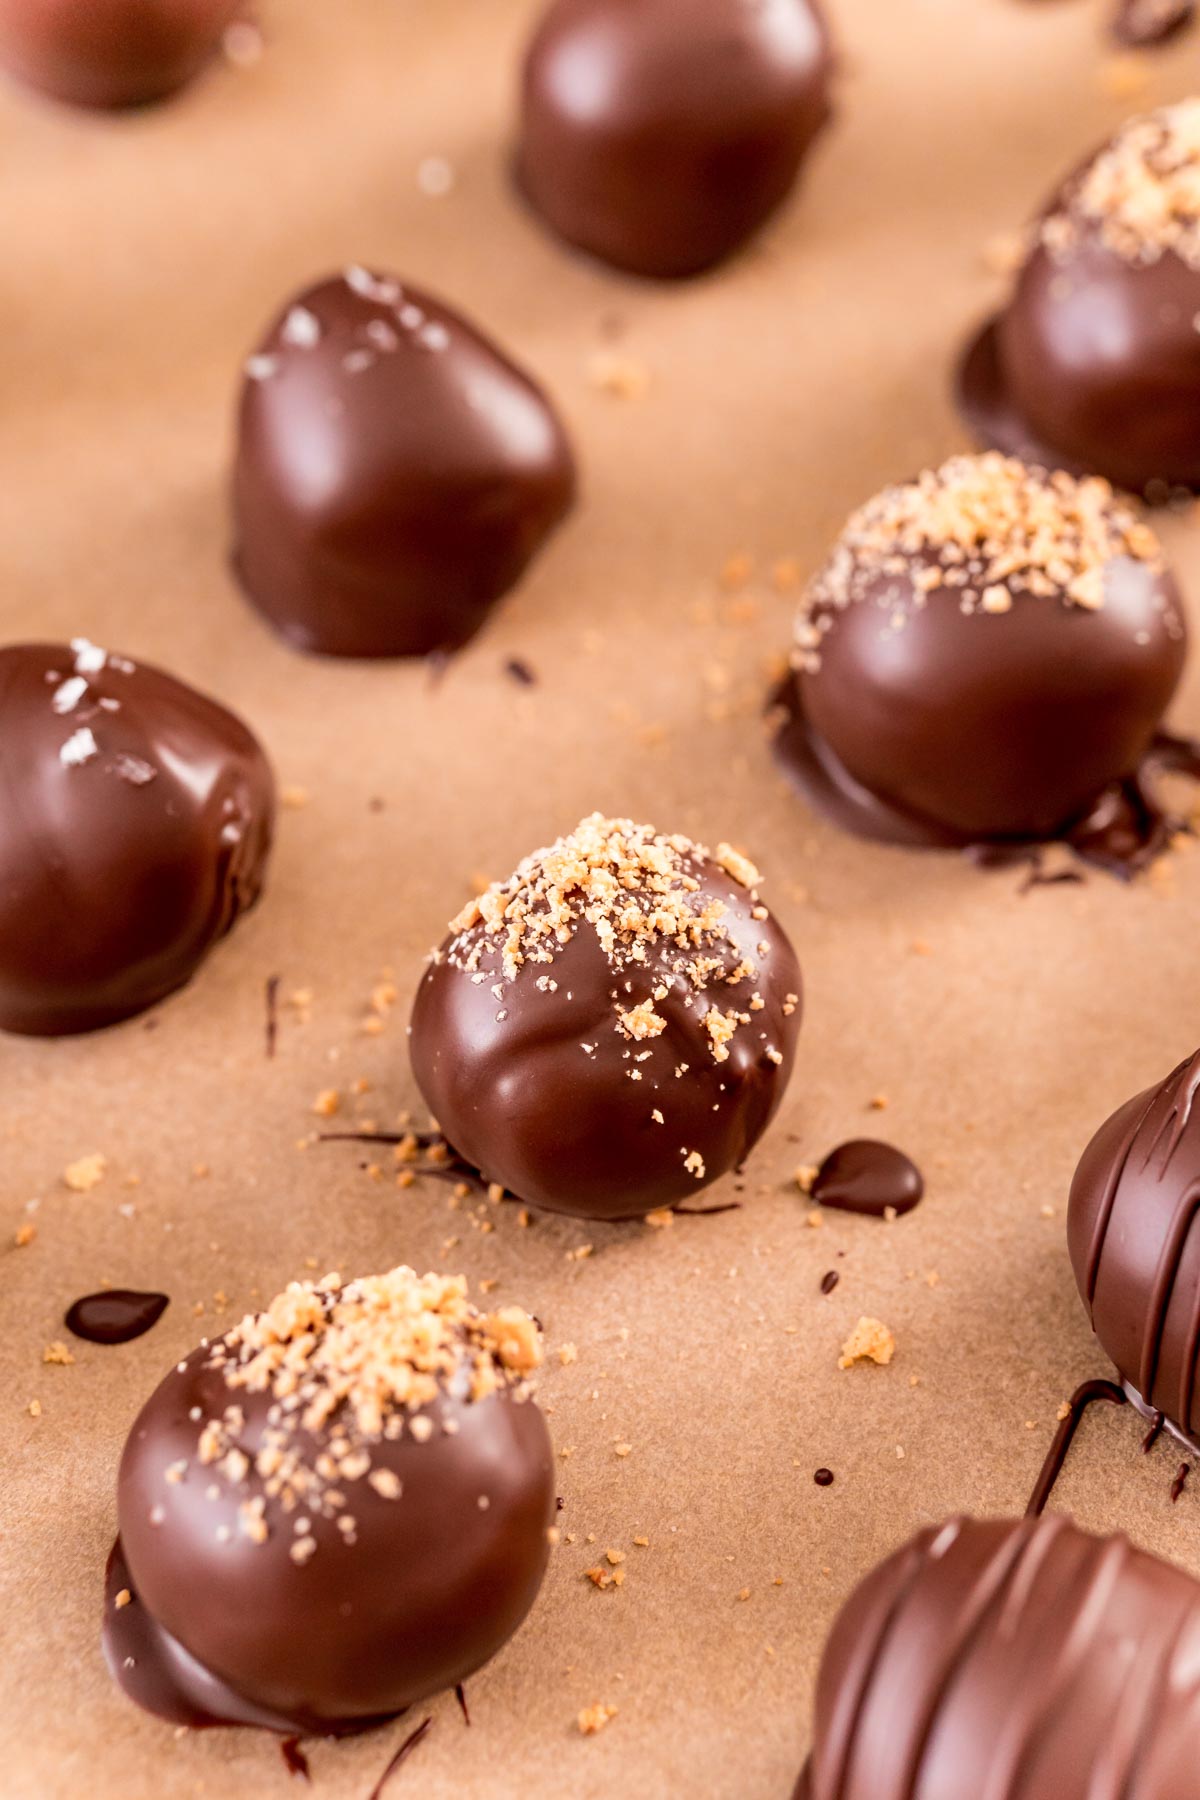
(1021, 1658)
(396, 473)
(612, 1028)
(988, 649)
(340, 1507)
(1135, 1248)
(111, 53)
(659, 135)
(1094, 362)
(135, 831)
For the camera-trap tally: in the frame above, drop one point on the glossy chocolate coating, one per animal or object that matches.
(1011, 1660)
(395, 472)
(1134, 1249)
(1093, 364)
(660, 134)
(534, 1088)
(135, 829)
(431, 1587)
(111, 53)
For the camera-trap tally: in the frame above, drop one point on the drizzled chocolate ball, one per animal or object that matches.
(395, 472)
(986, 657)
(1094, 364)
(660, 134)
(1021, 1659)
(135, 830)
(613, 1027)
(1135, 1252)
(341, 1506)
(111, 53)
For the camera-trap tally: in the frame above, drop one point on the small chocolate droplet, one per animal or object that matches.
(865, 1176)
(114, 1316)
(829, 1281)
(823, 1477)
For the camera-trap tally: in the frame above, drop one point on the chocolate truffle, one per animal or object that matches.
(660, 134)
(1136, 1257)
(395, 473)
(1094, 364)
(341, 1506)
(136, 828)
(613, 1027)
(111, 53)
(1011, 1660)
(985, 659)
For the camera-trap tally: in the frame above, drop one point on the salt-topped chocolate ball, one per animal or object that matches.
(1094, 363)
(135, 832)
(986, 658)
(612, 1028)
(111, 53)
(395, 472)
(341, 1506)
(1014, 1659)
(661, 134)
(1134, 1249)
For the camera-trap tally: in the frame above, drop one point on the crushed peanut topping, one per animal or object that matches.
(1141, 194)
(88, 1172)
(988, 528)
(349, 1365)
(870, 1341)
(648, 900)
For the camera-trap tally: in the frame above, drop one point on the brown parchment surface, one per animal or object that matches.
(141, 256)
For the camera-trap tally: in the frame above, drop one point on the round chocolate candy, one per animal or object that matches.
(395, 474)
(986, 658)
(111, 53)
(1094, 363)
(1012, 1659)
(660, 134)
(136, 830)
(341, 1506)
(1136, 1257)
(613, 1027)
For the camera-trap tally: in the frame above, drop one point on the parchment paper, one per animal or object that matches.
(141, 257)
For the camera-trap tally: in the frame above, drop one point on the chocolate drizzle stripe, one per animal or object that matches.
(1056, 1456)
(1177, 1116)
(1162, 1291)
(402, 1755)
(1104, 1215)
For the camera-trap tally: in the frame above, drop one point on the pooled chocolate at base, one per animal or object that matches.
(868, 1177)
(114, 1315)
(1126, 829)
(1141, 24)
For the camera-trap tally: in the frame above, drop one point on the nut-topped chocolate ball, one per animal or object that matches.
(986, 658)
(1011, 1660)
(613, 1027)
(135, 831)
(1094, 363)
(395, 473)
(1134, 1247)
(660, 134)
(111, 53)
(341, 1506)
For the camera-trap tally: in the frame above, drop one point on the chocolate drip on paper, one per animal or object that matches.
(1056, 1456)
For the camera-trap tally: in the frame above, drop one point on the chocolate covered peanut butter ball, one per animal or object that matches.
(337, 1508)
(1094, 362)
(396, 473)
(659, 135)
(612, 1028)
(135, 830)
(111, 53)
(985, 659)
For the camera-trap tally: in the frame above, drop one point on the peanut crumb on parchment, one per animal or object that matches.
(24, 1235)
(57, 1353)
(86, 1173)
(594, 1718)
(870, 1341)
